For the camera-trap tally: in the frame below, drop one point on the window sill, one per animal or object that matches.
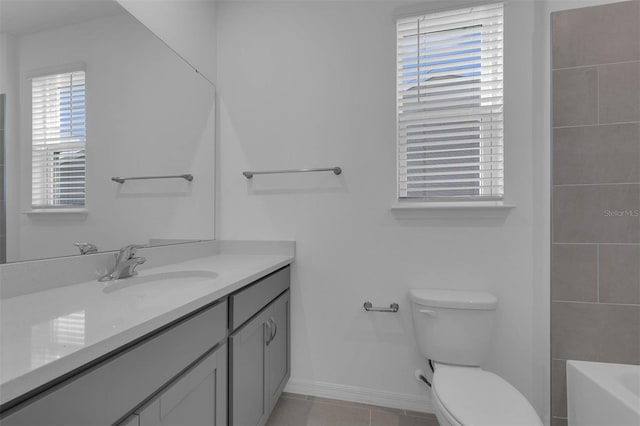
(37, 212)
(452, 209)
(451, 205)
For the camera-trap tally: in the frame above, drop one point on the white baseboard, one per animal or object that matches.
(403, 401)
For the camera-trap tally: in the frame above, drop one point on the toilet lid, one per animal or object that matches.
(476, 397)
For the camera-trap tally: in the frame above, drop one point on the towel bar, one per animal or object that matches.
(188, 177)
(392, 308)
(336, 170)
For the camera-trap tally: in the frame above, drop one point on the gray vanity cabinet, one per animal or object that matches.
(260, 362)
(278, 350)
(198, 397)
(133, 420)
(224, 364)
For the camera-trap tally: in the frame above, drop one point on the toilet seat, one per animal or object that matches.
(472, 396)
(444, 417)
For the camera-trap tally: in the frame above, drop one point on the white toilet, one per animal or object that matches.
(453, 329)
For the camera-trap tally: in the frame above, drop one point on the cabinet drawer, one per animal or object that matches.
(103, 394)
(248, 301)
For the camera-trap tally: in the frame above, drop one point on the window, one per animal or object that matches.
(449, 97)
(58, 140)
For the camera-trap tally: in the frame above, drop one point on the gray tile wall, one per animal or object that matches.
(3, 211)
(595, 279)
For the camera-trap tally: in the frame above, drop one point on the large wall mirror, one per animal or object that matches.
(88, 94)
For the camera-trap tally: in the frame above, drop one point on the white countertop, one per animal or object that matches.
(47, 334)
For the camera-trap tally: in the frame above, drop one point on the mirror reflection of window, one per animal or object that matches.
(57, 337)
(58, 140)
(142, 111)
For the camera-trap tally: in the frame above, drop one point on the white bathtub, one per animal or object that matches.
(605, 394)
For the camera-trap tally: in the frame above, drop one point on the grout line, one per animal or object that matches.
(597, 303)
(598, 272)
(296, 396)
(598, 94)
(595, 184)
(348, 404)
(614, 123)
(593, 243)
(633, 61)
(344, 403)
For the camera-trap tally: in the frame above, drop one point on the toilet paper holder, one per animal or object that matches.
(392, 308)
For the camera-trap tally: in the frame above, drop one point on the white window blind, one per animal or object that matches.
(58, 140)
(449, 97)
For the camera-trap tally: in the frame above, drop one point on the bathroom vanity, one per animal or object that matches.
(205, 341)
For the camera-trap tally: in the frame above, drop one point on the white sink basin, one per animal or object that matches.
(605, 394)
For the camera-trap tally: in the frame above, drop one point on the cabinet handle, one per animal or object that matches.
(275, 328)
(267, 332)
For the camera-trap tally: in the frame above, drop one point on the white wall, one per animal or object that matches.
(540, 188)
(187, 26)
(3, 62)
(148, 114)
(9, 80)
(308, 84)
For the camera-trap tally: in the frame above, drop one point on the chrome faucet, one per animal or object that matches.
(86, 248)
(126, 263)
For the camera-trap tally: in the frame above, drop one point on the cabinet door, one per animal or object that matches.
(278, 348)
(149, 415)
(198, 397)
(249, 401)
(132, 420)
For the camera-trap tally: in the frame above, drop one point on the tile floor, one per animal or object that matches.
(302, 410)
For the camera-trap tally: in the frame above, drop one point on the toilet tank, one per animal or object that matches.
(453, 326)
